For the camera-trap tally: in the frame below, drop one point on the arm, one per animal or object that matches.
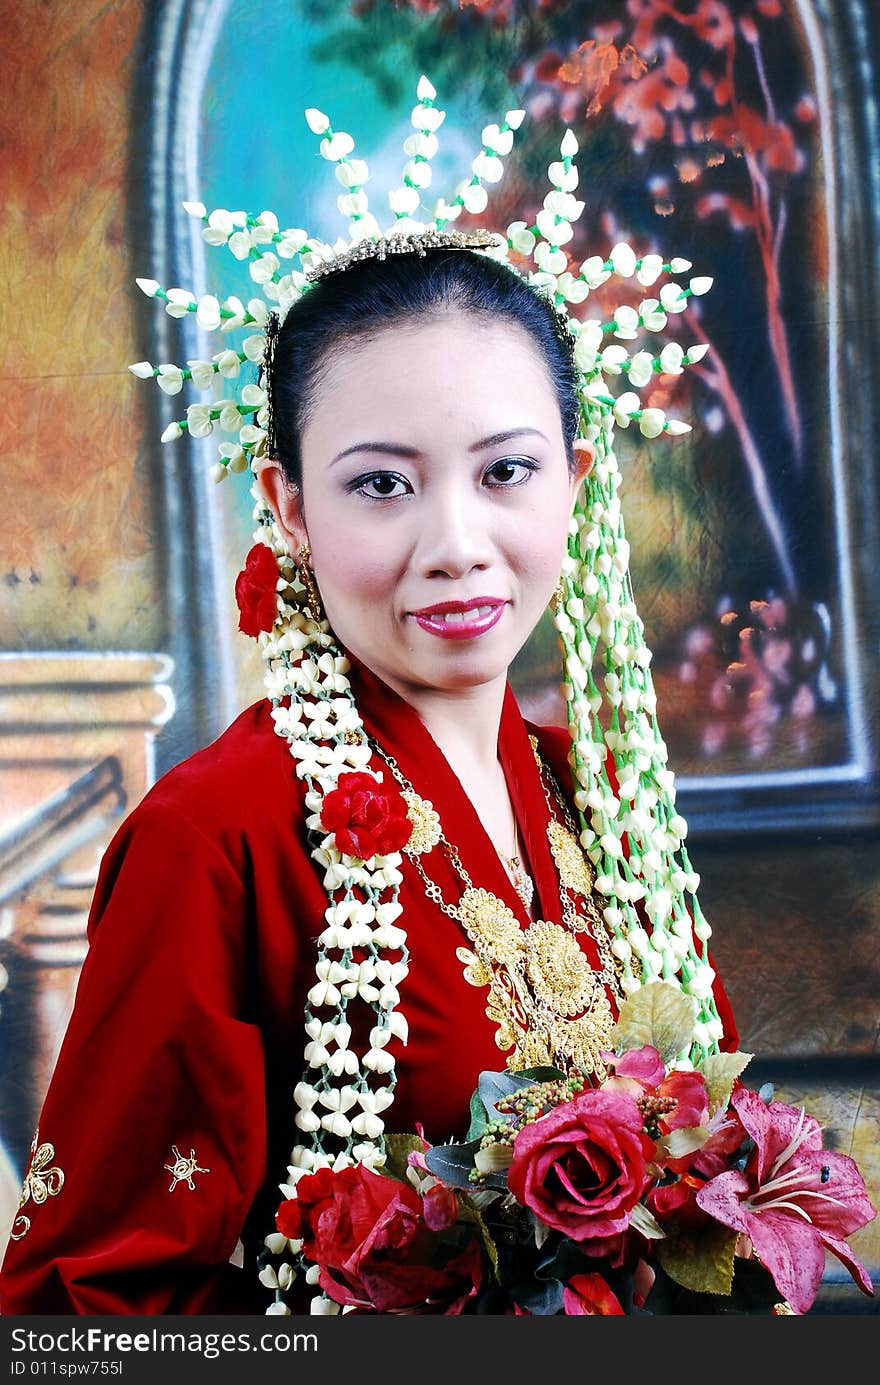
(156, 1110)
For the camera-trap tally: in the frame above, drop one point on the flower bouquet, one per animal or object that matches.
(666, 1188)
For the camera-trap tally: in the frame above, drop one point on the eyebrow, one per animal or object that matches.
(396, 449)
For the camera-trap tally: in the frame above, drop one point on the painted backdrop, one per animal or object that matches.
(736, 133)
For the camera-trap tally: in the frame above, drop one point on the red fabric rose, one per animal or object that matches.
(365, 817)
(255, 590)
(583, 1167)
(314, 1192)
(376, 1252)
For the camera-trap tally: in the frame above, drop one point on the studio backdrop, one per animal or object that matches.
(740, 134)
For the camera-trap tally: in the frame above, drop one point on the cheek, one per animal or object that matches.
(354, 569)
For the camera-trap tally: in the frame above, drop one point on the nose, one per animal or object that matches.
(454, 537)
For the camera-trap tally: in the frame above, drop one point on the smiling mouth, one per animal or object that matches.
(456, 620)
(459, 617)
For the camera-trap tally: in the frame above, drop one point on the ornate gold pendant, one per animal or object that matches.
(548, 1005)
(575, 870)
(426, 830)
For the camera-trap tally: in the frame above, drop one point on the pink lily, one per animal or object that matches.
(794, 1199)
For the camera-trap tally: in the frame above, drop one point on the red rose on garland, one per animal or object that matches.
(583, 1167)
(255, 591)
(377, 1252)
(365, 818)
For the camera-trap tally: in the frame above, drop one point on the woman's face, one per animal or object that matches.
(435, 499)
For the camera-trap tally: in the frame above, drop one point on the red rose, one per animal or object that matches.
(296, 1215)
(255, 590)
(583, 1167)
(365, 818)
(369, 1236)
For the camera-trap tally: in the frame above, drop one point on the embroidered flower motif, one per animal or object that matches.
(366, 818)
(183, 1168)
(255, 591)
(41, 1182)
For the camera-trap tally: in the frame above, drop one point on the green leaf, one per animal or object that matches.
(701, 1260)
(721, 1071)
(453, 1163)
(479, 1117)
(658, 1014)
(397, 1150)
(470, 1212)
(542, 1300)
(541, 1074)
(495, 1085)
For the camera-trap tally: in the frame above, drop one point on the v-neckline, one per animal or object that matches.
(399, 729)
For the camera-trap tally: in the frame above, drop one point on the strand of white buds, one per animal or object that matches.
(487, 167)
(341, 1104)
(633, 835)
(420, 148)
(560, 209)
(335, 147)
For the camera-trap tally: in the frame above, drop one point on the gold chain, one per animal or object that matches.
(611, 966)
(548, 1003)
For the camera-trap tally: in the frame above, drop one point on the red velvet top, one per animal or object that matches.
(187, 1032)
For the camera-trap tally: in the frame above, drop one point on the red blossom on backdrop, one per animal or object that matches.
(255, 591)
(365, 817)
(794, 1199)
(583, 1167)
(377, 1251)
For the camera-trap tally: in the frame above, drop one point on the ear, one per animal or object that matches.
(584, 455)
(285, 501)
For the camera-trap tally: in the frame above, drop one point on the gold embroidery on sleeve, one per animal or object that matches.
(41, 1182)
(183, 1168)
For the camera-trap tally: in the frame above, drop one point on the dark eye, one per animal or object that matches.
(383, 485)
(510, 471)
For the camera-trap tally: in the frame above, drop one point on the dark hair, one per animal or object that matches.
(369, 296)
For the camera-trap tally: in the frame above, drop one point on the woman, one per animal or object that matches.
(429, 463)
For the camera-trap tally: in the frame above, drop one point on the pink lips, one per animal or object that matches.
(487, 611)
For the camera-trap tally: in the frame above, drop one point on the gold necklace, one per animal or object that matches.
(550, 1007)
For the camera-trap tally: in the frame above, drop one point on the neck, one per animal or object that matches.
(463, 723)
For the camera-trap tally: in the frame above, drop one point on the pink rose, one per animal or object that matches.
(583, 1167)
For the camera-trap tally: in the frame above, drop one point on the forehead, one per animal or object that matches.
(460, 365)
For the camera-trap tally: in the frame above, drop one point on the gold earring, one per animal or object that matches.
(558, 596)
(307, 577)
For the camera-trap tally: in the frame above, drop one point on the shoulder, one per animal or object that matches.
(238, 787)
